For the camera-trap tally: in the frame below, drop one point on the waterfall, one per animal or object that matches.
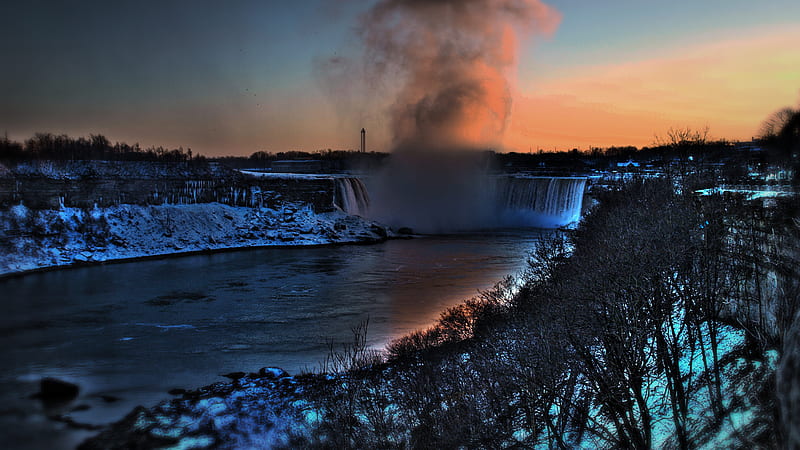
(351, 196)
(481, 202)
(546, 202)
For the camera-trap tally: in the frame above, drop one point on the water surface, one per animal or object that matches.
(136, 330)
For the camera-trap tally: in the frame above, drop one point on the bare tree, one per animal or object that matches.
(771, 127)
(683, 137)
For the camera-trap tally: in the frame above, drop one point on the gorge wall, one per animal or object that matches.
(86, 184)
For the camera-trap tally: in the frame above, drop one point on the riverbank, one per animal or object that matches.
(46, 239)
(274, 409)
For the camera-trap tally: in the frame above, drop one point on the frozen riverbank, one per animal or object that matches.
(48, 238)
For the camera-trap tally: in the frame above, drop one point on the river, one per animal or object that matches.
(135, 330)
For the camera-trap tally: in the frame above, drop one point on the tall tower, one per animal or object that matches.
(363, 140)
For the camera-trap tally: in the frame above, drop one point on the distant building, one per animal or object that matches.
(628, 163)
(298, 166)
(750, 146)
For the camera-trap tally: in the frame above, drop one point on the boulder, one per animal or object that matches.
(380, 231)
(234, 375)
(272, 372)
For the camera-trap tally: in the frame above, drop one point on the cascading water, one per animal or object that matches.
(479, 202)
(351, 196)
(546, 202)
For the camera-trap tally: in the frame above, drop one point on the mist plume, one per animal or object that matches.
(449, 61)
(444, 66)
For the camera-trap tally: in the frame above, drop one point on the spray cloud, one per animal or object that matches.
(444, 65)
(450, 60)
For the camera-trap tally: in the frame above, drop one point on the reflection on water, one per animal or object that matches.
(136, 330)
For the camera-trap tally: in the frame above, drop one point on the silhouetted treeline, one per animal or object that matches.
(48, 146)
(335, 160)
(778, 143)
(674, 155)
(656, 156)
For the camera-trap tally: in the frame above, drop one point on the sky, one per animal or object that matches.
(232, 78)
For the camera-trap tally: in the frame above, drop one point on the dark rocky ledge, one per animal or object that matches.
(268, 406)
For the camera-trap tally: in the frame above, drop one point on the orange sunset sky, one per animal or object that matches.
(242, 77)
(729, 83)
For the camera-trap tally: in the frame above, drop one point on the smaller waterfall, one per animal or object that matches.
(351, 196)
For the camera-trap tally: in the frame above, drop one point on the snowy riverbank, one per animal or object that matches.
(48, 238)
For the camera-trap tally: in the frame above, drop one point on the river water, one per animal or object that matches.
(135, 330)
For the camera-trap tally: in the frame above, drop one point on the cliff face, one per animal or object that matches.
(86, 184)
(71, 212)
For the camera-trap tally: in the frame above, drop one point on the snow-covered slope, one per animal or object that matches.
(33, 239)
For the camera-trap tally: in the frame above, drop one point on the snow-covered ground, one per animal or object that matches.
(36, 239)
(286, 175)
(752, 192)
